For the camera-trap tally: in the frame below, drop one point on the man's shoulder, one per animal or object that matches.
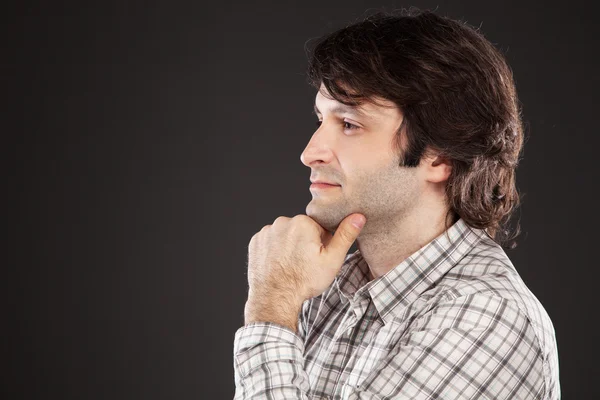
(486, 269)
(488, 272)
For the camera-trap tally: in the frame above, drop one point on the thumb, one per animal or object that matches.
(346, 234)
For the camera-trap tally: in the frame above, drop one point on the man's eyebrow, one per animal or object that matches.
(344, 109)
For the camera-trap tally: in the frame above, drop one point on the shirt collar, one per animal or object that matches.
(403, 284)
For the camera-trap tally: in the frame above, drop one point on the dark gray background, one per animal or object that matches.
(146, 144)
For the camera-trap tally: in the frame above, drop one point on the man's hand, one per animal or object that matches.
(291, 261)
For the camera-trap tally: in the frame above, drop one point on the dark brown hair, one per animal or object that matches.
(458, 97)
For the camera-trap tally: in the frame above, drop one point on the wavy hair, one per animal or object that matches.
(458, 97)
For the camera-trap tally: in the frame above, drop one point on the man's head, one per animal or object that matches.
(437, 118)
(355, 149)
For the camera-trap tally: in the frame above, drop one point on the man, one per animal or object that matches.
(418, 138)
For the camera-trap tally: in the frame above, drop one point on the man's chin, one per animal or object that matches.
(324, 217)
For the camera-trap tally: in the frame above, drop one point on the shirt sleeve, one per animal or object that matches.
(269, 361)
(472, 347)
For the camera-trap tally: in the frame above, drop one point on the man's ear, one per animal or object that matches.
(437, 168)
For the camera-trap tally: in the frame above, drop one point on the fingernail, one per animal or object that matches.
(358, 221)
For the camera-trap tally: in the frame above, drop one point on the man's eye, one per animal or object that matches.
(346, 125)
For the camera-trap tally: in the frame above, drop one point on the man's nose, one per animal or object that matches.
(319, 148)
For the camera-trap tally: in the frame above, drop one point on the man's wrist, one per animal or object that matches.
(281, 310)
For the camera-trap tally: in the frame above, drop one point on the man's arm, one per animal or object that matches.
(255, 335)
(269, 363)
(289, 262)
(471, 347)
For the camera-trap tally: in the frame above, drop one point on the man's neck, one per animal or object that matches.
(384, 247)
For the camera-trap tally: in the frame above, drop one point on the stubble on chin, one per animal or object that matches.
(328, 216)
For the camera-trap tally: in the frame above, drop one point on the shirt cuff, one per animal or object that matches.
(261, 342)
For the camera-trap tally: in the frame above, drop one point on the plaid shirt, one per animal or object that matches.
(453, 321)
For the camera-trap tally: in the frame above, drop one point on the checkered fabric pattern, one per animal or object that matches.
(452, 321)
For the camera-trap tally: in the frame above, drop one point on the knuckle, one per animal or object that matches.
(257, 235)
(280, 220)
(301, 218)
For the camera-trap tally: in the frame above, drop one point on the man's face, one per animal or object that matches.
(354, 148)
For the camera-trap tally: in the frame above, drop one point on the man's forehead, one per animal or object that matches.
(372, 107)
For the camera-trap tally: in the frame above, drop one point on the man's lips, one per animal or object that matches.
(322, 185)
